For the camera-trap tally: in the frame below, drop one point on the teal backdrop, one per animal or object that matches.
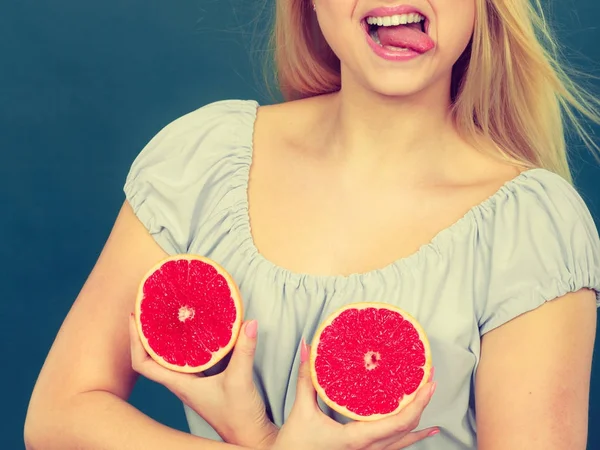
(83, 87)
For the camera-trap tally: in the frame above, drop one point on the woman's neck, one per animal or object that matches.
(364, 129)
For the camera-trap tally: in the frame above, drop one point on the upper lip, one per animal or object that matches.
(384, 11)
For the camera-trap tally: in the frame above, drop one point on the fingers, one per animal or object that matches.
(415, 408)
(406, 420)
(306, 396)
(242, 357)
(410, 439)
(143, 364)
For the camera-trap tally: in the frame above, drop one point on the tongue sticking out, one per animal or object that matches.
(405, 36)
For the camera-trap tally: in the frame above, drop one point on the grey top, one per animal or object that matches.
(530, 242)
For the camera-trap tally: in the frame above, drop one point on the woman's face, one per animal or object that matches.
(397, 47)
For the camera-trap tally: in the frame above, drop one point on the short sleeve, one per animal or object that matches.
(542, 244)
(177, 180)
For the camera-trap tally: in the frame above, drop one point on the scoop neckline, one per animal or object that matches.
(433, 246)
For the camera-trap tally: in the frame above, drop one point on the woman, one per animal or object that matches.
(420, 161)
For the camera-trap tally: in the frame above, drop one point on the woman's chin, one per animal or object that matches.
(397, 87)
(408, 83)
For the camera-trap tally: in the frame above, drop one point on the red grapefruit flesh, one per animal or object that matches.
(369, 359)
(188, 313)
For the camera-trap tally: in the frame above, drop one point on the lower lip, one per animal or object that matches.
(390, 55)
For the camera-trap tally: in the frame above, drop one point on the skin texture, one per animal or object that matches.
(229, 401)
(533, 381)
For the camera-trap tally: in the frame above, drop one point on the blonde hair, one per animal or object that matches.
(509, 89)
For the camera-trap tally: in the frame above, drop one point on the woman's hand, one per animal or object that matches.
(229, 401)
(308, 427)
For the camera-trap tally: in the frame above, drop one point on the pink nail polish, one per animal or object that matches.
(303, 351)
(431, 373)
(433, 432)
(251, 329)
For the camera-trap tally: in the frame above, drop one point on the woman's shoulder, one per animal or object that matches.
(537, 211)
(222, 114)
(290, 121)
(199, 136)
(542, 195)
(538, 241)
(188, 167)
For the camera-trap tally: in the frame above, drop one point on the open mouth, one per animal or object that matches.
(399, 32)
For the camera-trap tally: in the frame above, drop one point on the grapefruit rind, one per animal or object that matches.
(237, 324)
(406, 399)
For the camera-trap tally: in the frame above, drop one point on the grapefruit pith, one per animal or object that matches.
(188, 313)
(368, 360)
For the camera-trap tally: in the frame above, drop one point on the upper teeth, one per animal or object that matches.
(392, 21)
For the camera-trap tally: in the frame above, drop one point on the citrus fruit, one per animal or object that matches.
(368, 360)
(188, 313)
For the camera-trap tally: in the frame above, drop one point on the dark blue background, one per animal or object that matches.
(83, 87)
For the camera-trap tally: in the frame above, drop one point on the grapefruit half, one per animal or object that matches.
(188, 313)
(368, 360)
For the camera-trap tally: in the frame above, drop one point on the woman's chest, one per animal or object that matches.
(440, 295)
(307, 220)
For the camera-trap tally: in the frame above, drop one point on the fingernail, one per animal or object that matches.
(433, 432)
(431, 373)
(432, 389)
(303, 351)
(251, 329)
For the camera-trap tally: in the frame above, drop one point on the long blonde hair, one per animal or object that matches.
(509, 89)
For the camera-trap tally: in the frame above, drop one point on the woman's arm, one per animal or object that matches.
(80, 398)
(533, 380)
